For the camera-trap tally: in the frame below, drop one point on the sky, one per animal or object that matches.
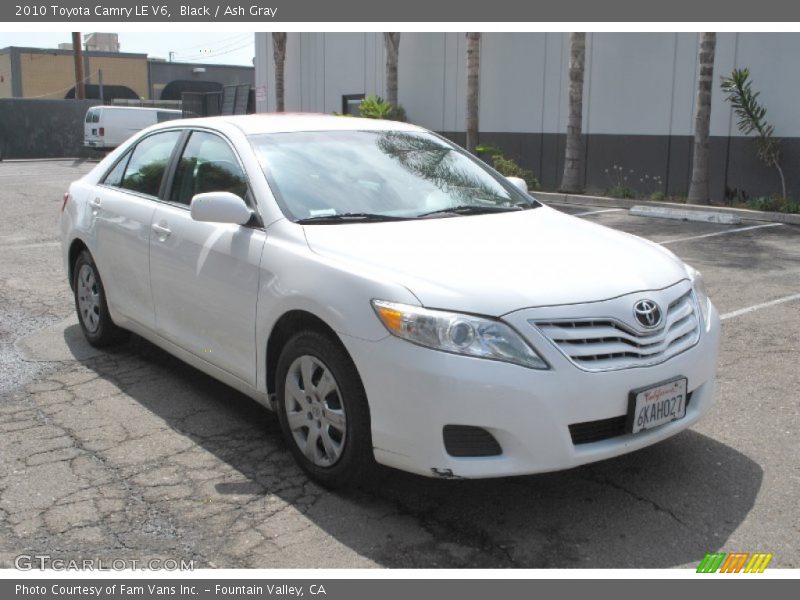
(228, 47)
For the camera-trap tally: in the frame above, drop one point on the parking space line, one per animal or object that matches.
(595, 212)
(749, 309)
(24, 246)
(727, 231)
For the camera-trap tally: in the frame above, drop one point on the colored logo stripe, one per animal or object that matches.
(734, 562)
(711, 562)
(758, 562)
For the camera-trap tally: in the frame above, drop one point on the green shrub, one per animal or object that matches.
(507, 167)
(621, 190)
(375, 107)
(658, 197)
(773, 204)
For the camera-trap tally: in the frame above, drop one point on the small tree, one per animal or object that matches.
(699, 188)
(473, 87)
(392, 43)
(752, 118)
(573, 152)
(279, 56)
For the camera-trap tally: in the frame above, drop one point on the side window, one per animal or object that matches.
(148, 163)
(207, 165)
(351, 104)
(114, 176)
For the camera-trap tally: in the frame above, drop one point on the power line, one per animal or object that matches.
(66, 89)
(216, 54)
(222, 41)
(213, 51)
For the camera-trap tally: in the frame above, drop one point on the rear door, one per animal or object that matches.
(122, 206)
(205, 276)
(91, 135)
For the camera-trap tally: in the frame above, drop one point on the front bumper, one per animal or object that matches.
(414, 392)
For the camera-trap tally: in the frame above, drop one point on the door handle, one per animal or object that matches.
(95, 204)
(161, 230)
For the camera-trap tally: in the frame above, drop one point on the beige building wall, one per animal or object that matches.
(46, 75)
(53, 75)
(5, 76)
(131, 72)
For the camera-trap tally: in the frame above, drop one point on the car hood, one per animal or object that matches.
(498, 263)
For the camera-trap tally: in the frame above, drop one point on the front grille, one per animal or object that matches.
(465, 440)
(608, 344)
(603, 429)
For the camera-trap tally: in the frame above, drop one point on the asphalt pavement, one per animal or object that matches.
(131, 454)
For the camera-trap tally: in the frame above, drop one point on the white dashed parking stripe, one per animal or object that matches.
(749, 309)
(727, 231)
(25, 246)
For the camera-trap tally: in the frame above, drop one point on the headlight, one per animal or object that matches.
(457, 333)
(700, 292)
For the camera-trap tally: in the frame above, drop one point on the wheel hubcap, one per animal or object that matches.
(88, 298)
(314, 411)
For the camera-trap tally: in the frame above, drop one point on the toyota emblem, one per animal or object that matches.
(647, 313)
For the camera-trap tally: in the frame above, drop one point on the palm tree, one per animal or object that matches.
(699, 188)
(392, 43)
(473, 85)
(573, 154)
(279, 56)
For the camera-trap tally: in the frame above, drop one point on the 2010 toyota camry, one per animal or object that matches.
(393, 298)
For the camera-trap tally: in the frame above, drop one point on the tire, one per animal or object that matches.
(90, 304)
(327, 424)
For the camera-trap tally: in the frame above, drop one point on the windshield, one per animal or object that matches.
(319, 175)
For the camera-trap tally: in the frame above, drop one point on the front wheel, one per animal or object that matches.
(323, 410)
(90, 304)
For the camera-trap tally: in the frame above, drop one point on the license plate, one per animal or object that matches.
(655, 405)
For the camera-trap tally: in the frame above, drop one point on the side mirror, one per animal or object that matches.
(519, 183)
(220, 207)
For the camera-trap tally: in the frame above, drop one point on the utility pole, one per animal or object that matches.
(77, 52)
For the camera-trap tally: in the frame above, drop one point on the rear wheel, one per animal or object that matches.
(323, 410)
(90, 304)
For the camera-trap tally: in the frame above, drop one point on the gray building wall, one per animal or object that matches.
(639, 95)
(35, 128)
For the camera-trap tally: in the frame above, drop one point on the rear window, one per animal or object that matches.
(114, 176)
(148, 163)
(93, 116)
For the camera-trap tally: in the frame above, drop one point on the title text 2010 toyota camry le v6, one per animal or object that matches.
(393, 298)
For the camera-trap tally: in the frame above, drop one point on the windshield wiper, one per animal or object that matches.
(354, 217)
(470, 210)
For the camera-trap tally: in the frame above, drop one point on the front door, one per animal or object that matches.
(205, 276)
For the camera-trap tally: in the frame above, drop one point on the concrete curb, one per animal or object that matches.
(681, 214)
(604, 201)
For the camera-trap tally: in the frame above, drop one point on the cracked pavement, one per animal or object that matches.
(131, 454)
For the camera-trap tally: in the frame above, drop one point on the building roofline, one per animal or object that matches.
(59, 51)
(194, 64)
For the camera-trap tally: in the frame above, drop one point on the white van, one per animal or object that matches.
(106, 127)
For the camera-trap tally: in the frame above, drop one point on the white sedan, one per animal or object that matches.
(391, 297)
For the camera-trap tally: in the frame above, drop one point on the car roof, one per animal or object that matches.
(288, 122)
